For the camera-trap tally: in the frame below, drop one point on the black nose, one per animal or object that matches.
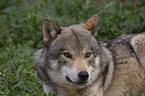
(83, 76)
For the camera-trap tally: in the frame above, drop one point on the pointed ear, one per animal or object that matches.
(91, 23)
(50, 31)
(138, 44)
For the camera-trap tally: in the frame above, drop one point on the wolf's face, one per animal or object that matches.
(73, 55)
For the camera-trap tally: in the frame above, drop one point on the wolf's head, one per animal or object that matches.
(72, 54)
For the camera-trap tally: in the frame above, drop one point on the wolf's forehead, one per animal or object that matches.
(77, 39)
(69, 31)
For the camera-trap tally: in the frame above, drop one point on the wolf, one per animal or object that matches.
(73, 62)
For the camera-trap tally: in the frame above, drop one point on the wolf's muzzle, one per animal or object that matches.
(83, 76)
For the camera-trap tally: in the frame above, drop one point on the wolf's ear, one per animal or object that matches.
(138, 44)
(50, 31)
(91, 23)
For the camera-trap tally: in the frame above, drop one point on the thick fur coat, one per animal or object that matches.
(74, 63)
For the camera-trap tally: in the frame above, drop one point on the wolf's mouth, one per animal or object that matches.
(80, 82)
(67, 79)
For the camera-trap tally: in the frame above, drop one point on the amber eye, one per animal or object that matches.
(67, 54)
(88, 54)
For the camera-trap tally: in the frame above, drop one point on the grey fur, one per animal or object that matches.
(110, 66)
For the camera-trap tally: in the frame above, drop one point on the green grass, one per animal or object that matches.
(21, 34)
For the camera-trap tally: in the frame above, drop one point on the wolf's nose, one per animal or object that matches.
(83, 76)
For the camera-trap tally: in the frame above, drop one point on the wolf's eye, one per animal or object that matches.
(68, 55)
(88, 54)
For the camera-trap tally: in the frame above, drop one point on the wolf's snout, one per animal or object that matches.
(83, 76)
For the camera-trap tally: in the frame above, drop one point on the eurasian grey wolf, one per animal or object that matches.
(74, 63)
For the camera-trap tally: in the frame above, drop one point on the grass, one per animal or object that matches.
(21, 34)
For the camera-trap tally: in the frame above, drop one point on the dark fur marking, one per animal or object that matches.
(105, 74)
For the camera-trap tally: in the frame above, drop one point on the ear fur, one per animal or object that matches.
(50, 31)
(91, 23)
(138, 44)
